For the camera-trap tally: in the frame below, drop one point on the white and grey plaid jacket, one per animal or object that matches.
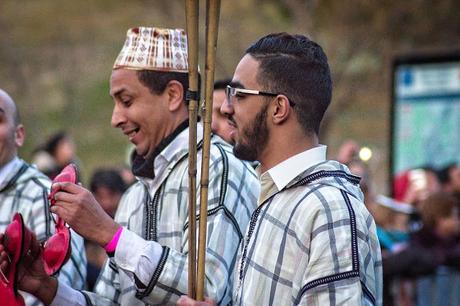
(25, 191)
(311, 243)
(161, 214)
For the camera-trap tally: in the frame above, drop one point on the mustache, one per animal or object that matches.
(231, 120)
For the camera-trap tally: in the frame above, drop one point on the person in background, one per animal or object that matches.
(415, 185)
(361, 169)
(391, 218)
(219, 124)
(127, 175)
(348, 152)
(438, 239)
(24, 189)
(107, 186)
(441, 226)
(348, 155)
(412, 187)
(44, 162)
(449, 177)
(58, 151)
(410, 257)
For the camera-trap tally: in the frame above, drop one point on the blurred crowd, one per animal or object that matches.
(418, 227)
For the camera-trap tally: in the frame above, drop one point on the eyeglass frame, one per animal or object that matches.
(253, 92)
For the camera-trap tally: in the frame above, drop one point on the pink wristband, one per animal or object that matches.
(112, 245)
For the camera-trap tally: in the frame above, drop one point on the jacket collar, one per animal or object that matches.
(144, 167)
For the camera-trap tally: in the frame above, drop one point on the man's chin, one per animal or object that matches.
(230, 140)
(141, 152)
(244, 153)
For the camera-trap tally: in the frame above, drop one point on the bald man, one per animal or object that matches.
(24, 189)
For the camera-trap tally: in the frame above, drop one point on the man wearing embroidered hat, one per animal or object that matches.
(311, 241)
(148, 241)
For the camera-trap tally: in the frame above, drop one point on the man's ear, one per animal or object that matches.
(19, 135)
(175, 92)
(281, 109)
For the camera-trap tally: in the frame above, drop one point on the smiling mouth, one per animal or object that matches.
(232, 123)
(131, 133)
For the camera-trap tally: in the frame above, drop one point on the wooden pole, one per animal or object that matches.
(212, 29)
(192, 12)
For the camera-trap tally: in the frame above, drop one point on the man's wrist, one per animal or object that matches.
(47, 290)
(107, 233)
(112, 245)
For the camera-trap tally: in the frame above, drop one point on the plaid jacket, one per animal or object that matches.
(25, 191)
(312, 243)
(161, 215)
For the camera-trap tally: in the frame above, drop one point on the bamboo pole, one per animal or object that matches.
(212, 29)
(191, 9)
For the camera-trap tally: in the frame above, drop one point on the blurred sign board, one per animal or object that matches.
(425, 111)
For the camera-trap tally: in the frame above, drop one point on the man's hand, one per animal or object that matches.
(186, 301)
(348, 151)
(78, 207)
(32, 277)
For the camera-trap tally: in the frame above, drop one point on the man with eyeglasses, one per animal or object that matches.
(311, 241)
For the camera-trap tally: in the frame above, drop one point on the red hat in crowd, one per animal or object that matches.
(401, 184)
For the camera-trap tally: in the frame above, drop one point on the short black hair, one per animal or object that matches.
(54, 140)
(444, 173)
(156, 81)
(297, 67)
(109, 178)
(222, 83)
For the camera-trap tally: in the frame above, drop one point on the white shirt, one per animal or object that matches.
(287, 170)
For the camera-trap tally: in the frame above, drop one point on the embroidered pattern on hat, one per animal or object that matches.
(154, 49)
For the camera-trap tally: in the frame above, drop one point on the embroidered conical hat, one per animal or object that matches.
(154, 49)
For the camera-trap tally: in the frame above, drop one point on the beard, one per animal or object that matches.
(253, 138)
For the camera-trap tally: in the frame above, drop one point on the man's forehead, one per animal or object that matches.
(245, 75)
(6, 105)
(121, 79)
(6, 110)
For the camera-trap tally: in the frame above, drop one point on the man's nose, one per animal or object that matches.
(226, 108)
(117, 117)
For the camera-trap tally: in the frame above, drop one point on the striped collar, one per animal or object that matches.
(278, 177)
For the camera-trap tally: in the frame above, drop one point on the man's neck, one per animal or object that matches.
(7, 162)
(5, 169)
(144, 167)
(282, 148)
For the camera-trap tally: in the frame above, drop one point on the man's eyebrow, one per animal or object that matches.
(117, 93)
(236, 84)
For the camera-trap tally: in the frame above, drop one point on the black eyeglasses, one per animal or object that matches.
(231, 92)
